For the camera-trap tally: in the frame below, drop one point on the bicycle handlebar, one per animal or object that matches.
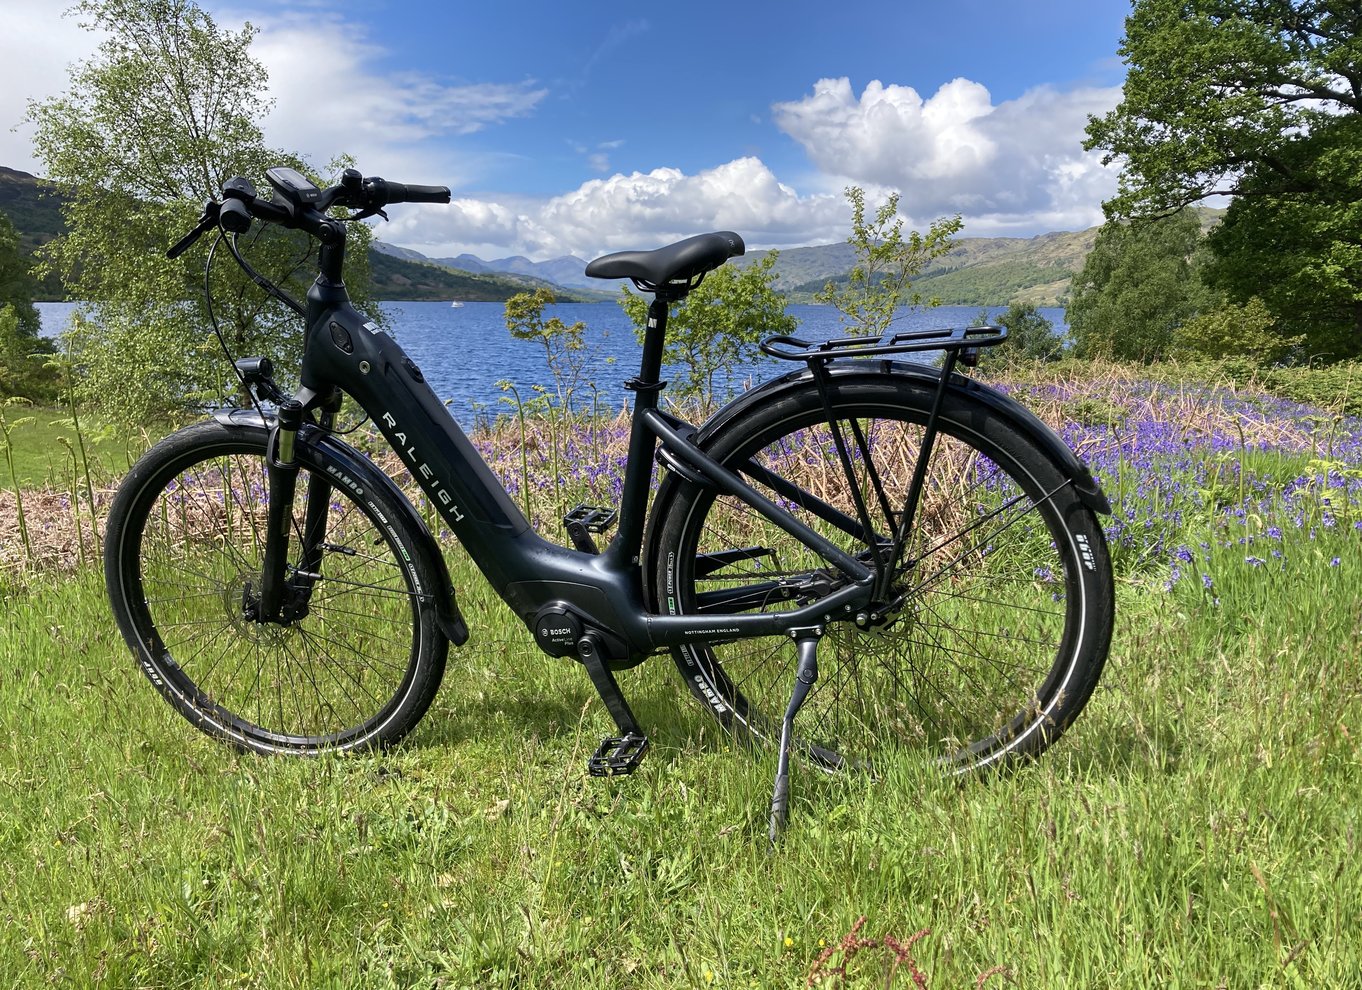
(289, 208)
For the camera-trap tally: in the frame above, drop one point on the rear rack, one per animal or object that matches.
(966, 341)
(958, 346)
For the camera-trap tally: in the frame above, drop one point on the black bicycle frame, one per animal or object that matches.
(343, 350)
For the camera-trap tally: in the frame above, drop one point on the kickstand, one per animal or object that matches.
(806, 673)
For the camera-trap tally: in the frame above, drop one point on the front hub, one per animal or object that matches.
(241, 599)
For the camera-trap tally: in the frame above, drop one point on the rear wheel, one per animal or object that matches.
(999, 618)
(357, 655)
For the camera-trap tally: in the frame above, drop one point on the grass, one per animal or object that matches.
(45, 442)
(1198, 826)
(55, 471)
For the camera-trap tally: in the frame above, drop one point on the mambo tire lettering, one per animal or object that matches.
(425, 475)
(388, 527)
(710, 696)
(345, 479)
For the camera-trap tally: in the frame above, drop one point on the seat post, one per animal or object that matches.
(654, 335)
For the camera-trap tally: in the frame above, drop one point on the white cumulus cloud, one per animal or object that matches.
(1010, 167)
(1015, 167)
(1019, 163)
(37, 46)
(636, 211)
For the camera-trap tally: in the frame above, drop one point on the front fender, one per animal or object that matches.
(363, 470)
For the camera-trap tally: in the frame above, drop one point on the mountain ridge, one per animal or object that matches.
(982, 271)
(33, 206)
(977, 271)
(566, 270)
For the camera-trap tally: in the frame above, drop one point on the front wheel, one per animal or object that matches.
(355, 657)
(998, 620)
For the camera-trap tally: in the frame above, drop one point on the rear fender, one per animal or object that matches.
(1021, 418)
(359, 473)
(1007, 408)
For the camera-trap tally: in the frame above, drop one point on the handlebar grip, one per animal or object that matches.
(401, 192)
(234, 216)
(427, 194)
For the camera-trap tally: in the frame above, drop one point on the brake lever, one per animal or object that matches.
(206, 223)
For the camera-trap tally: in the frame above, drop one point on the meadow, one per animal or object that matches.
(1197, 827)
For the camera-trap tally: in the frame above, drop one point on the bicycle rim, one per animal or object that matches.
(341, 676)
(984, 648)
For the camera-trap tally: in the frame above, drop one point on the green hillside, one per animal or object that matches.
(35, 210)
(978, 271)
(32, 206)
(401, 281)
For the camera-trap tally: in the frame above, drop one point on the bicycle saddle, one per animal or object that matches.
(679, 262)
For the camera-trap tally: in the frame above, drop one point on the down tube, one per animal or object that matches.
(482, 515)
(368, 364)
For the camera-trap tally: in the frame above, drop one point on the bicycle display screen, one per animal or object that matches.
(293, 183)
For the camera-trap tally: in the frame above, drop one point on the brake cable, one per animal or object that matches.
(217, 328)
(261, 280)
(272, 290)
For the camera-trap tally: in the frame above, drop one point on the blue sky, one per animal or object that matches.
(585, 127)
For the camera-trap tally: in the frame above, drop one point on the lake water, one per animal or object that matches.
(466, 351)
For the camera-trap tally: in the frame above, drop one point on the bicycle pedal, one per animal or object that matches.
(592, 518)
(584, 520)
(618, 756)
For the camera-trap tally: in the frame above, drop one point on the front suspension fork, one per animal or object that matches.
(281, 470)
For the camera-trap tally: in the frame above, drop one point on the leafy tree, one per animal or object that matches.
(1260, 100)
(1030, 336)
(22, 371)
(16, 285)
(565, 349)
(880, 281)
(1138, 285)
(1248, 331)
(1302, 258)
(152, 125)
(720, 324)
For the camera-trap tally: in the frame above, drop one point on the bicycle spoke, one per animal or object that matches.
(954, 658)
(334, 671)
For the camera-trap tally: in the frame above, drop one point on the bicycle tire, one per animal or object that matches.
(1005, 600)
(182, 548)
